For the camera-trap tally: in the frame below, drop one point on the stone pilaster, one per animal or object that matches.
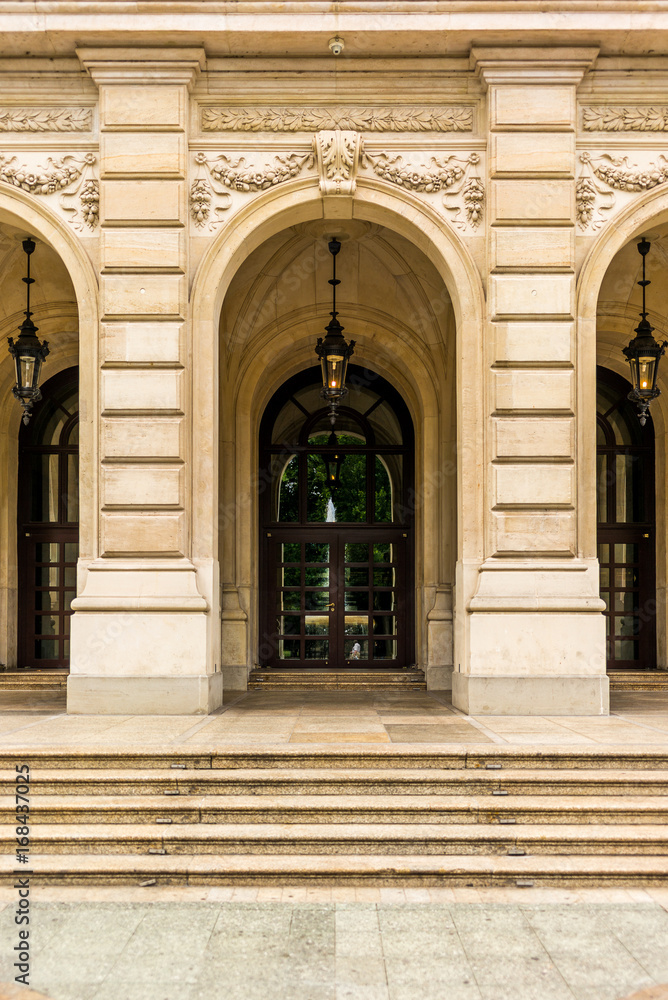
(535, 635)
(142, 637)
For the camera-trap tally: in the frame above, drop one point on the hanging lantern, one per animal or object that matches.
(333, 462)
(333, 350)
(643, 353)
(27, 351)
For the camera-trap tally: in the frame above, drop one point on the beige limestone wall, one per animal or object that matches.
(195, 180)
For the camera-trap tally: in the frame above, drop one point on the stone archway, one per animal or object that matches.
(285, 347)
(71, 326)
(600, 341)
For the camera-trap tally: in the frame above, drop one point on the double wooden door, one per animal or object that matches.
(336, 598)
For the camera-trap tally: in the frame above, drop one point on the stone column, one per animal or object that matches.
(535, 639)
(142, 639)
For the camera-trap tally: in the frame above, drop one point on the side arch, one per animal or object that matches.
(22, 211)
(605, 348)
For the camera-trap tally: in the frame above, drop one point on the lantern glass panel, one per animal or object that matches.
(26, 371)
(646, 366)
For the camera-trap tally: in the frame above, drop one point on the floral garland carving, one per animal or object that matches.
(607, 174)
(224, 175)
(46, 119)
(392, 119)
(617, 119)
(452, 175)
(56, 177)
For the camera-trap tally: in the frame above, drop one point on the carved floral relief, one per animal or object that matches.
(338, 155)
(600, 177)
(46, 119)
(359, 119)
(450, 174)
(70, 176)
(620, 119)
(222, 174)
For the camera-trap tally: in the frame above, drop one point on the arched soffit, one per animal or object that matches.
(20, 215)
(297, 203)
(382, 274)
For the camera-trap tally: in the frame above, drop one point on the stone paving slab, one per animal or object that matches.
(170, 949)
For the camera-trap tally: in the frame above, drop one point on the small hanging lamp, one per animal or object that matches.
(333, 462)
(333, 350)
(27, 352)
(643, 352)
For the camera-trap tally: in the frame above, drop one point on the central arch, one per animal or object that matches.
(230, 457)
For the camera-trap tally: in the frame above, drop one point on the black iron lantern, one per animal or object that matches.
(643, 352)
(27, 351)
(333, 350)
(333, 462)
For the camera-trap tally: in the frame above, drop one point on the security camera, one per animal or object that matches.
(336, 45)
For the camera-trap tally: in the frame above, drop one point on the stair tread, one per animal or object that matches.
(372, 864)
(506, 803)
(286, 832)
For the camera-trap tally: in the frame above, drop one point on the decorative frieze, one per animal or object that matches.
(46, 119)
(337, 155)
(69, 176)
(620, 119)
(359, 119)
(601, 176)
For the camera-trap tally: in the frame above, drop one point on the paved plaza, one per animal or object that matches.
(39, 720)
(347, 944)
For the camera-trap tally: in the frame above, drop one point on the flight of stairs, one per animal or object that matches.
(355, 816)
(34, 680)
(638, 680)
(348, 679)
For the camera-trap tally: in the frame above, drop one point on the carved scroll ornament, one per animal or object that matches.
(337, 155)
(632, 119)
(600, 177)
(69, 176)
(394, 119)
(46, 119)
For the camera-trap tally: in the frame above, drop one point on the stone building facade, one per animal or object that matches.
(182, 172)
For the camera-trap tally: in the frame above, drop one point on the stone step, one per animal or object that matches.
(362, 838)
(328, 869)
(638, 680)
(347, 679)
(292, 809)
(358, 781)
(33, 680)
(404, 757)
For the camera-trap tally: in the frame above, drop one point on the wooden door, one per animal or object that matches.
(48, 524)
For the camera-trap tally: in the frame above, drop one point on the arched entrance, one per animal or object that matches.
(625, 525)
(48, 523)
(336, 532)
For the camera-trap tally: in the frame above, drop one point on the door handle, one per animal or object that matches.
(331, 606)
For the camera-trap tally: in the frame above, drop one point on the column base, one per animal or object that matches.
(508, 695)
(196, 695)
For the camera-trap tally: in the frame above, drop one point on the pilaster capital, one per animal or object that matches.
(145, 65)
(541, 65)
